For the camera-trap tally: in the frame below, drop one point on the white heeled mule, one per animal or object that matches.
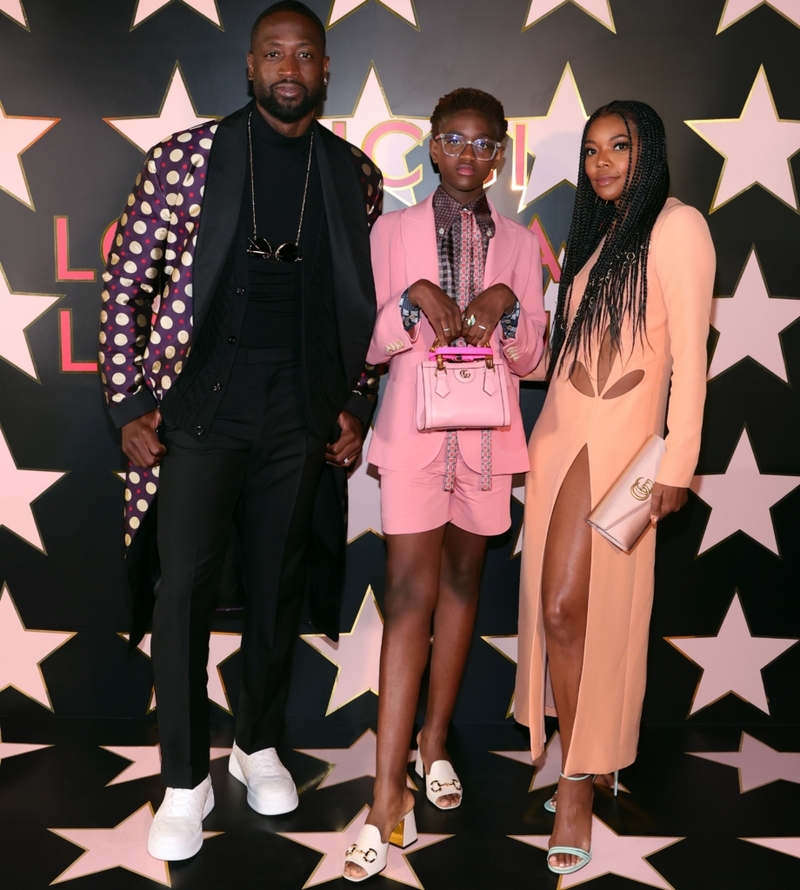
(441, 780)
(369, 852)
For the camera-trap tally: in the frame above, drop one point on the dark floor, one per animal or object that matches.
(681, 824)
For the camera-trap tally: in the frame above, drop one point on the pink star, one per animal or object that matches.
(364, 514)
(22, 651)
(757, 763)
(12, 749)
(124, 846)
(736, 10)
(18, 311)
(145, 761)
(15, 11)
(789, 846)
(146, 8)
(349, 763)
(731, 661)
(613, 853)
(17, 134)
(356, 655)
(404, 9)
(332, 844)
(597, 9)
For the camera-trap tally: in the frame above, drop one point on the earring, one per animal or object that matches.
(325, 80)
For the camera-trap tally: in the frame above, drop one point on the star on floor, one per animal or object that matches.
(15, 11)
(20, 489)
(384, 137)
(612, 853)
(363, 484)
(350, 763)
(736, 10)
(741, 498)
(332, 845)
(124, 846)
(597, 9)
(756, 763)
(14, 749)
(750, 322)
(404, 9)
(554, 140)
(209, 9)
(221, 646)
(356, 655)
(145, 761)
(22, 652)
(18, 311)
(731, 661)
(507, 645)
(789, 846)
(177, 113)
(17, 135)
(757, 147)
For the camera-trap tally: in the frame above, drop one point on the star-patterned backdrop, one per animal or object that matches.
(87, 87)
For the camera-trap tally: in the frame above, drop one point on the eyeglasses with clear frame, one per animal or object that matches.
(453, 144)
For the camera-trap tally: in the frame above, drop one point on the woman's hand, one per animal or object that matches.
(442, 312)
(666, 499)
(487, 309)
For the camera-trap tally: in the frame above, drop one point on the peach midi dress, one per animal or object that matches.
(611, 409)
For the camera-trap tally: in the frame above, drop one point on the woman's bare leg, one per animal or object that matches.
(565, 596)
(454, 620)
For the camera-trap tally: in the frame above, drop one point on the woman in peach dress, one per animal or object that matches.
(629, 331)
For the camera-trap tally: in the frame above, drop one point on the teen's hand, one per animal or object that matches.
(345, 450)
(140, 441)
(487, 308)
(666, 499)
(442, 312)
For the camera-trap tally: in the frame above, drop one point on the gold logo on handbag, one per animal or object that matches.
(465, 374)
(642, 488)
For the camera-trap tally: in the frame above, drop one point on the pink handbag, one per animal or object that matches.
(462, 388)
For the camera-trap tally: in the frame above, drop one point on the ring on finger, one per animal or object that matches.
(470, 321)
(482, 327)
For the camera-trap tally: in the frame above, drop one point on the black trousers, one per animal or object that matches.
(265, 477)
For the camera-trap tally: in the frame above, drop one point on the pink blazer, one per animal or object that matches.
(403, 251)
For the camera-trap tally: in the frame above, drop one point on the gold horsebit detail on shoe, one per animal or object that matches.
(364, 853)
(437, 786)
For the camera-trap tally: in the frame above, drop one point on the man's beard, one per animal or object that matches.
(288, 111)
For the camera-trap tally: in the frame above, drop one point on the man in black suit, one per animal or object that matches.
(257, 237)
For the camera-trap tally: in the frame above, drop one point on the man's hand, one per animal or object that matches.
(666, 499)
(487, 308)
(442, 312)
(345, 450)
(140, 442)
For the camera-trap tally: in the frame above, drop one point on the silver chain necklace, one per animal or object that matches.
(289, 252)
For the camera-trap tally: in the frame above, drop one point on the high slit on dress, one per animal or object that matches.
(628, 402)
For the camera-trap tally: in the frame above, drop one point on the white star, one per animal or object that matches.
(383, 136)
(332, 845)
(731, 661)
(20, 488)
(177, 113)
(402, 8)
(554, 140)
(364, 513)
(612, 853)
(757, 147)
(17, 135)
(146, 8)
(756, 763)
(789, 846)
(597, 9)
(221, 646)
(15, 11)
(350, 763)
(736, 10)
(14, 749)
(357, 655)
(145, 761)
(22, 651)
(741, 498)
(124, 846)
(17, 313)
(750, 321)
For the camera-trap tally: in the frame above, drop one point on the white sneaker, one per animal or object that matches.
(177, 829)
(270, 787)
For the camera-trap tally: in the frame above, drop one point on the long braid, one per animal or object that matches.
(617, 285)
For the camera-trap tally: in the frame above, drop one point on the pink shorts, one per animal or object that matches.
(415, 500)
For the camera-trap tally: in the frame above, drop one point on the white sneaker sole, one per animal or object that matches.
(172, 851)
(275, 806)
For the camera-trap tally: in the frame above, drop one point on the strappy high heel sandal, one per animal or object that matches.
(369, 852)
(441, 780)
(550, 803)
(584, 857)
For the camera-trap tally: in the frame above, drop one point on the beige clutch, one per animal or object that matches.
(623, 514)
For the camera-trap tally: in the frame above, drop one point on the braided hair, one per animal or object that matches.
(617, 286)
